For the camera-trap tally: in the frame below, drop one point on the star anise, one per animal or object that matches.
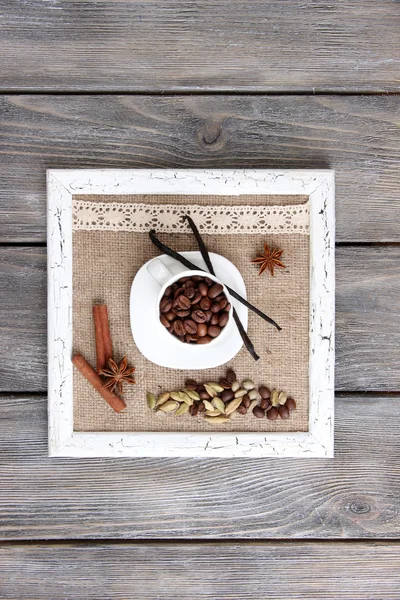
(269, 259)
(116, 375)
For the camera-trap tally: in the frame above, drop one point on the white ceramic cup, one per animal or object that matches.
(164, 277)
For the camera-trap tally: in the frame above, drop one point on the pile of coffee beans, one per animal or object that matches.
(220, 401)
(194, 309)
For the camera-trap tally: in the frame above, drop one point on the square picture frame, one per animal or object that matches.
(318, 185)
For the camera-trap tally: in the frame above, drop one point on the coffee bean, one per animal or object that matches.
(228, 307)
(242, 410)
(258, 412)
(272, 414)
(215, 307)
(179, 292)
(190, 384)
(214, 331)
(205, 303)
(199, 316)
(170, 316)
(231, 376)
(194, 409)
(214, 320)
(201, 329)
(197, 298)
(190, 326)
(283, 412)
(264, 403)
(264, 392)
(227, 395)
(179, 328)
(291, 404)
(191, 303)
(223, 319)
(165, 305)
(190, 338)
(203, 289)
(204, 395)
(164, 321)
(246, 401)
(183, 302)
(204, 340)
(190, 292)
(182, 313)
(224, 383)
(215, 290)
(202, 407)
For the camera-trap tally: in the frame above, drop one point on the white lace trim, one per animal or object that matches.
(169, 218)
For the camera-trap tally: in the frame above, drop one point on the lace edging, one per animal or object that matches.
(169, 218)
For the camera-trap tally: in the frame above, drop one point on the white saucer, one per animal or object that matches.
(163, 349)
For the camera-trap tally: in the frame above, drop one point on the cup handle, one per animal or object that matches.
(159, 271)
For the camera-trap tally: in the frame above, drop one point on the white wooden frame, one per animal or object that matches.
(318, 185)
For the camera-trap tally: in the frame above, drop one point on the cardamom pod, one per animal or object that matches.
(185, 398)
(162, 398)
(274, 398)
(235, 386)
(248, 384)
(176, 396)
(217, 420)
(212, 413)
(253, 403)
(210, 390)
(218, 388)
(282, 398)
(233, 405)
(151, 400)
(182, 409)
(219, 405)
(169, 406)
(208, 405)
(193, 395)
(240, 393)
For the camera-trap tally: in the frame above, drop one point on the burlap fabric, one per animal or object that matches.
(104, 265)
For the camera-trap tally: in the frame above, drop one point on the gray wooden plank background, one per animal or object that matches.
(358, 136)
(356, 495)
(145, 83)
(367, 319)
(182, 571)
(263, 45)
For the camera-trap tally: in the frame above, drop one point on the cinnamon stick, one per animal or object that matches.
(90, 374)
(102, 336)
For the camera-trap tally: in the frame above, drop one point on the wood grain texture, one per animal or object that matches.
(356, 495)
(151, 45)
(367, 319)
(247, 571)
(357, 136)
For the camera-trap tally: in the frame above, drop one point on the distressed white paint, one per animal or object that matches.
(318, 185)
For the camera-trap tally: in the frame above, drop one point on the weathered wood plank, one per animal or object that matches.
(260, 45)
(355, 495)
(367, 319)
(358, 136)
(249, 571)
